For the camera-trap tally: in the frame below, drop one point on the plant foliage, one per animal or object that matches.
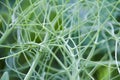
(59, 39)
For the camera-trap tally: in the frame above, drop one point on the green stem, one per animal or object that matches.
(34, 64)
(5, 35)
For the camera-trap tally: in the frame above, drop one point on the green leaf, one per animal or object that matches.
(5, 76)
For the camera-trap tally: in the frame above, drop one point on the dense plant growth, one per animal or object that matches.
(59, 39)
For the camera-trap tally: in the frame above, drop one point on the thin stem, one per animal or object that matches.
(116, 56)
(34, 64)
(6, 34)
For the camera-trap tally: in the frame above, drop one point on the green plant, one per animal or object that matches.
(59, 39)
